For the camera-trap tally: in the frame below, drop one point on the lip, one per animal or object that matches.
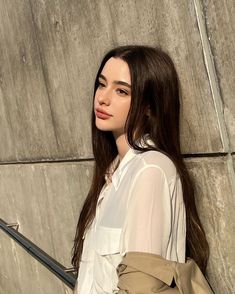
(102, 114)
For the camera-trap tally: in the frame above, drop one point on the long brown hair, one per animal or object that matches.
(154, 110)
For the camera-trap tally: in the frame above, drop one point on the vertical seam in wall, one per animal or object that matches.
(210, 67)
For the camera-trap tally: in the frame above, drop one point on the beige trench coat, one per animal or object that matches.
(146, 273)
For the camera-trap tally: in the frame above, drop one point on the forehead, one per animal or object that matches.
(116, 69)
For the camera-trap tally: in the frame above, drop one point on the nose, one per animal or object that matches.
(103, 96)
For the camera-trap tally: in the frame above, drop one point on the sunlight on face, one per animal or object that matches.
(113, 96)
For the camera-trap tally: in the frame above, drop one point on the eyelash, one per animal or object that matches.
(121, 91)
(100, 85)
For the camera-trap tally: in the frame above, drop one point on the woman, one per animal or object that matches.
(139, 217)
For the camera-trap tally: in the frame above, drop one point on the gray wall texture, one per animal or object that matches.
(49, 53)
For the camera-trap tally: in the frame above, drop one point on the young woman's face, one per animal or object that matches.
(113, 97)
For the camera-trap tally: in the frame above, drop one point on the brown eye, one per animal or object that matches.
(122, 92)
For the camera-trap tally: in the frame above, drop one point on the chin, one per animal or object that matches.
(103, 128)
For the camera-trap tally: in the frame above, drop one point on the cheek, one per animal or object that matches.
(124, 111)
(127, 107)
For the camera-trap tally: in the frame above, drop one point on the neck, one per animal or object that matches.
(122, 145)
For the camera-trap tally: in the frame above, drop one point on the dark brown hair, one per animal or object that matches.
(154, 90)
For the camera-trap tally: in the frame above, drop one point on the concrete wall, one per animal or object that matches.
(49, 54)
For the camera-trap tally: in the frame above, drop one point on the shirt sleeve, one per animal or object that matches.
(149, 214)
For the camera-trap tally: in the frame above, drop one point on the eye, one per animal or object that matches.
(122, 92)
(100, 84)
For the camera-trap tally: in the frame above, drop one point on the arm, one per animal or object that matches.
(146, 233)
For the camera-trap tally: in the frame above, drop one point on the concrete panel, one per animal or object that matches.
(45, 200)
(51, 50)
(215, 201)
(84, 30)
(22, 274)
(26, 121)
(220, 21)
(33, 125)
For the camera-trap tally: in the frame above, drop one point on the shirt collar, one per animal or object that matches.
(114, 174)
(119, 172)
(115, 171)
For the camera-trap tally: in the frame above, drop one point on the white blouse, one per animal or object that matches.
(141, 209)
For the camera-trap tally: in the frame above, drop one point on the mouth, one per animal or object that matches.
(102, 115)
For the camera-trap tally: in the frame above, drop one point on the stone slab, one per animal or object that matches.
(42, 113)
(22, 274)
(220, 22)
(51, 51)
(215, 196)
(102, 25)
(45, 199)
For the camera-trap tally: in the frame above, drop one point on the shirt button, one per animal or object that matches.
(121, 268)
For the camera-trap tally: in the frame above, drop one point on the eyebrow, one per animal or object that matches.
(116, 82)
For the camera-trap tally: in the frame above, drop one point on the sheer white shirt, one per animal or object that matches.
(140, 209)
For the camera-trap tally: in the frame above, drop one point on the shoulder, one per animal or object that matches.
(157, 160)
